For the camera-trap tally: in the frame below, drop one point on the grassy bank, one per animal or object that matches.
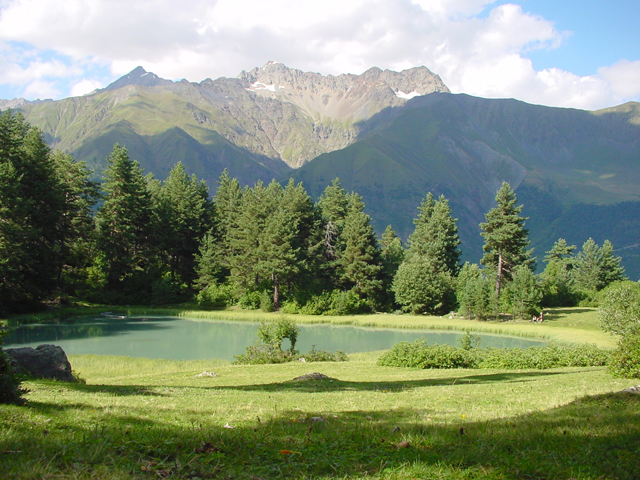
(139, 418)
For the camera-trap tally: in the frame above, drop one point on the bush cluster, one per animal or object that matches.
(419, 354)
(625, 361)
(335, 302)
(10, 390)
(215, 296)
(261, 353)
(268, 349)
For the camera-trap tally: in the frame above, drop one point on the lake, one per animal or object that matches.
(179, 338)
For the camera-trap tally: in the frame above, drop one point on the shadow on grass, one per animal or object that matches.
(593, 437)
(117, 390)
(333, 384)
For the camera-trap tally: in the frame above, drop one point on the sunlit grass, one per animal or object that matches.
(140, 418)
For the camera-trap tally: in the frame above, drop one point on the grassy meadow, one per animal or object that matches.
(141, 418)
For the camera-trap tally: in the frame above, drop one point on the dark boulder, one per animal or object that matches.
(44, 361)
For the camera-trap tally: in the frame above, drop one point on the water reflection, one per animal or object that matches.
(183, 339)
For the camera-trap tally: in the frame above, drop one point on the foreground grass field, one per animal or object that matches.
(140, 418)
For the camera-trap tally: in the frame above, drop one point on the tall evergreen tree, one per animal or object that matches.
(185, 215)
(433, 245)
(227, 202)
(557, 277)
(32, 205)
(505, 238)
(596, 267)
(334, 207)
(76, 249)
(360, 260)
(125, 225)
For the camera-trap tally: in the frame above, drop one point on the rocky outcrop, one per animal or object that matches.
(44, 361)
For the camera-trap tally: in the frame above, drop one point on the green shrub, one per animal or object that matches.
(469, 341)
(10, 390)
(263, 353)
(215, 296)
(314, 355)
(347, 303)
(318, 304)
(269, 347)
(266, 302)
(273, 332)
(421, 355)
(625, 361)
(250, 300)
(291, 307)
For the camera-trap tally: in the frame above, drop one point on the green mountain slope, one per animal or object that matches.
(572, 169)
(158, 127)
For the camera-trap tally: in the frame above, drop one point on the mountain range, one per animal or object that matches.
(390, 136)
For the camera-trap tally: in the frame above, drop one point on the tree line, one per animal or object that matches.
(136, 239)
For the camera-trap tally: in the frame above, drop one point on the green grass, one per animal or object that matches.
(143, 418)
(139, 418)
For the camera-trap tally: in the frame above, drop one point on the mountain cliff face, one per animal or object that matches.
(276, 116)
(390, 136)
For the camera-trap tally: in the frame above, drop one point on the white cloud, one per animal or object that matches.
(623, 78)
(476, 46)
(85, 86)
(41, 89)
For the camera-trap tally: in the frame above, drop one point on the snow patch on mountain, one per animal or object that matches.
(407, 96)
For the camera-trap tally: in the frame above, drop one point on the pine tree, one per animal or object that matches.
(333, 205)
(32, 207)
(433, 245)
(360, 260)
(421, 288)
(524, 293)
(207, 262)
(125, 225)
(76, 249)
(597, 267)
(227, 202)
(184, 216)
(505, 238)
(557, 278)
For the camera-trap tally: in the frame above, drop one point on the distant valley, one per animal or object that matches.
(390, 136)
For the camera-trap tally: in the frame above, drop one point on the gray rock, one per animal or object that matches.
(44, 361)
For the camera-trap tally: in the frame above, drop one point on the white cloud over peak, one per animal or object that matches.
(476, 46)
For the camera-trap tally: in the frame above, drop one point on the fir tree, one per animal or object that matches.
(125, 225)
(505, 238)
(361, 261)
(184, 214)
(557, 278)
(32, 211)
(597, 267)
(433, 245)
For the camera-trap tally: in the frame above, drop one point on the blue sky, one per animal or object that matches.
(569, 53)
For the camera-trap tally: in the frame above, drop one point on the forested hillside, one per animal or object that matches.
(266, 246)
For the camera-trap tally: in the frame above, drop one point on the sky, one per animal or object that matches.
(566, 53)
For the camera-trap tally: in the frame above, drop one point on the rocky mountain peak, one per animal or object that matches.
(274, 77)
(138, 76)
